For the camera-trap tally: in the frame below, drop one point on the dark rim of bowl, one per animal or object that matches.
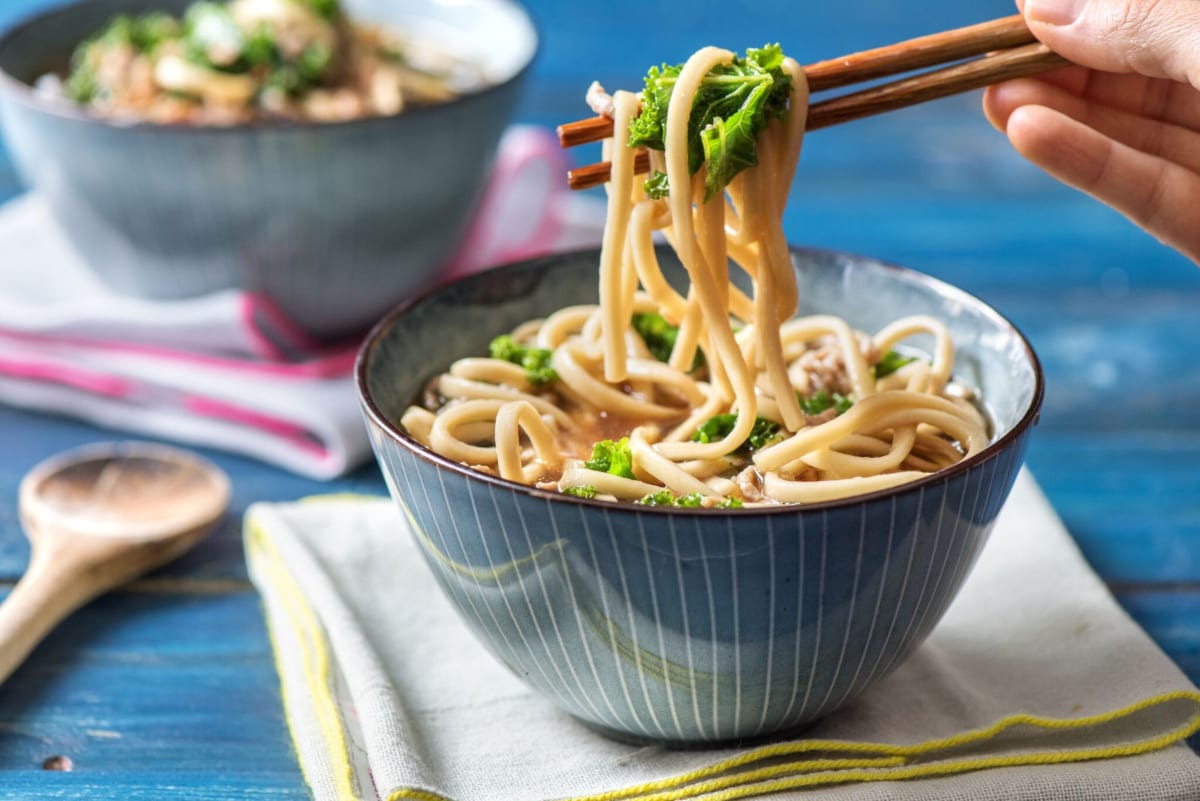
(993, 449)
(25, 93)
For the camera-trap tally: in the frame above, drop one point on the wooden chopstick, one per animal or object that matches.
(1007, 49)
(1002, 65)
(919, 53)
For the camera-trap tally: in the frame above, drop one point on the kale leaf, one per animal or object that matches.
(657, 333)
(536, 361)
(325, 8)
(613, 458)
(890, 362)
(734, 103)
(143, 33)
(584, 491)
(660, 336)
(693, 500)
(821, 401)
(717, 428)
(661, 498)
(656, 185)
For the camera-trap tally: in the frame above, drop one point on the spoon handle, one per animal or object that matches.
(49, 591)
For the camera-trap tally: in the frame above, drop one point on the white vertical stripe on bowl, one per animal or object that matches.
(850, 619)
(668, 688)
(614, 648)
(687, 633)
(583, 637)
(898, 601)
(633, 626)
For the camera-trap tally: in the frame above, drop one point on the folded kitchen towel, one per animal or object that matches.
(1035, 685)
(229, 369)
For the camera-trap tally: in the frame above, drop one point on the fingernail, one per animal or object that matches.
(1053, 12)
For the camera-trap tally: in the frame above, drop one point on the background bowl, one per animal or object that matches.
(335, 222)
(696, 626)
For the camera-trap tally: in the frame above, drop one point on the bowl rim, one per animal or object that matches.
(993, 450)
(26, 94)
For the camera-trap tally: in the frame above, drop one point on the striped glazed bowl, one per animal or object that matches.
(334, 222)
(693, 626)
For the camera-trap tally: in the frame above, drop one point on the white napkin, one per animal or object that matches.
(389, 697)
(229, 370)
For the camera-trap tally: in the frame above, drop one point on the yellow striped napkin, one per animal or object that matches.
(1035, 685)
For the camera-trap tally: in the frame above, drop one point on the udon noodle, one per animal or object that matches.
(750, 404)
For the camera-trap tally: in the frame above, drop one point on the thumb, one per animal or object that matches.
(1155, 38)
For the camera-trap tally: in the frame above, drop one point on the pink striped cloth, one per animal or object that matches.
(229, 370)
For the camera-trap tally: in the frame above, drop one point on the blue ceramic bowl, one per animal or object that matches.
(334, 222)
(693, 626)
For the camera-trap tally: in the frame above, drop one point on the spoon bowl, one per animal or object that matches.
(98, 517)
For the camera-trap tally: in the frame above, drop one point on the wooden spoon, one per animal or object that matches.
(96, 518)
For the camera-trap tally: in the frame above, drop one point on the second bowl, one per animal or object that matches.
(334, 222)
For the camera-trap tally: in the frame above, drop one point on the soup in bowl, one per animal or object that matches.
(696, 625)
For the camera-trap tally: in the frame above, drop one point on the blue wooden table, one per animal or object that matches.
(167, 689)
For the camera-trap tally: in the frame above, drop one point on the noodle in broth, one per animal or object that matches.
(781, 409)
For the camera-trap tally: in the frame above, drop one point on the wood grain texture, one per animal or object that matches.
(145, 684)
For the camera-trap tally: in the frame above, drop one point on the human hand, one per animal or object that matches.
(1125, 125)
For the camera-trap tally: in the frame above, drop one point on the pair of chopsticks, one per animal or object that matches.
(1005, 49)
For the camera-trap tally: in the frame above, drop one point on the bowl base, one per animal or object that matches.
(629, 738)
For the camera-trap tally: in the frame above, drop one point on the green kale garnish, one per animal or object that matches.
(149, 30)
(660, 336)
(325, 8)
(657, 333)
(81, 85)
(890, 362)
(506, 349)
(260, 48)
(821, 401)
(585, 491)
(314, 62)
(661, 498)
(717, 428)
(613, 458)
(729, 503)
(214, 40)
(693, 500)
(763, 432)
(536, 361)
(732, 107)
(656, 185)
(143, 33)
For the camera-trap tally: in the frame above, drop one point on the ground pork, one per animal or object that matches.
(599, 100)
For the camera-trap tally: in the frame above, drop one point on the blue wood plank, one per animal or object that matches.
(145, 682)
(134, 785)
(1132, 502)
(1169, 616)
(1115, 360)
